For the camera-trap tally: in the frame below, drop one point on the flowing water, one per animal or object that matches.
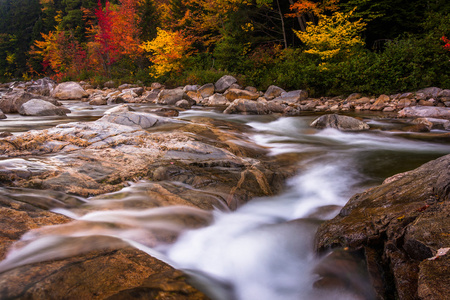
(264, 249)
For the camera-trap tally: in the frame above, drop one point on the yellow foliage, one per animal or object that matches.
(166, 51)
(10, 58)
(332, 35)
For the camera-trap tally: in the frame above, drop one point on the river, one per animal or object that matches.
(264, 249)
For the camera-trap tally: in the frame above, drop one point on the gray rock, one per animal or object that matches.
(217, 100)
(224, 83)
(425, 112)
(13, 100)
(170, 96)
(431, 92)
(119, 109)
(293, 96)
(69, 91)
(43, 86)
(2, 115)
(354, 96)
(273, 92)
(339, 122)
(183, 104)
(38, 107)
(134, 119)
(191, 88)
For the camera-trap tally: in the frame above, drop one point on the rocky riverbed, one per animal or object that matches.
(399, 228)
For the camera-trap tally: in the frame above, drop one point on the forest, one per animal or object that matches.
(328, 47)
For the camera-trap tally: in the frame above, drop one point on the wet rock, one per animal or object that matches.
(224, 83)
(98, 101)
(170, 96)
(2, 115)
(353, 97)
(434, 282)
(114, 99)
(339, 122)
(69, 91)
(402, 221)
(206, 90)
(5, 134)
(37, 107)
(150, 96)
(183, 104)
(43, 86)
(293, 96)
(191, 88)
(142, 120)
(233, 94)
(425, 112)
(217, 100)
(273, 92)
(244, 106)
(431, 92)
(12, 101)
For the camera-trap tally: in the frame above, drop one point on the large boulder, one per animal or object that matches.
(69, 91)
(233, 94)
(273, 92)
(12, 101)
(130, 118)
(206, 90)
(247, 107)
(340, 122)
(170, 96)
(43, 86)
(402, 227)
(425, 112)
(293, 96)
(224, 83)
(38, 107)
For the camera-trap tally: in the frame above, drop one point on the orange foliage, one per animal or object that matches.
(306, 6)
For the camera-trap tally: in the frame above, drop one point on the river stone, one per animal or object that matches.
(142, 120)
(38, 107)
(170, 96)
(233, 94)
(425, 112)
(183, 104)
(69, 91)
(119, 109)
(273, 91)
(43, 86)
(217, 100)
(244, 106)
(431, 92)
(224, 83)
(340, 122)
(402, 220)
(293, 96)
(12, 101)
(2, 115)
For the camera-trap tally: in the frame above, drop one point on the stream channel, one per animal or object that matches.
(264, 249)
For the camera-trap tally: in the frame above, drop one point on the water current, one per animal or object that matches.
(264, 249)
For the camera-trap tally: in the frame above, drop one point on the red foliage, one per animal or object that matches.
(447, 43)
(105, 34)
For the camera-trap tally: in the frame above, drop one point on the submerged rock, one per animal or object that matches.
(404, 222)
(339, 122)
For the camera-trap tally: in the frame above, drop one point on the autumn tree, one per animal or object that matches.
(166, 52)
(333, 35)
